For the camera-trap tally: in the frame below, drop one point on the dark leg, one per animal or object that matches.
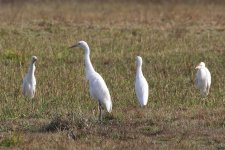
(32, 100)
(100, 111)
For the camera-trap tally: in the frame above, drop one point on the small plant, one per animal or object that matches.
(13, 140)
(11, 55)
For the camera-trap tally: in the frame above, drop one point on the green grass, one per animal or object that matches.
(171, 38)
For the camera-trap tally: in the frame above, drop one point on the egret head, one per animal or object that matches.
(138, 60)
(200, 65)
(80, 44)
(34, 59)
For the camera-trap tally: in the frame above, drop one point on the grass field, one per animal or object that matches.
(172, 38)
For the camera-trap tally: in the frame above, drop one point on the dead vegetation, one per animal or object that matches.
(175, 130)
(171, 36)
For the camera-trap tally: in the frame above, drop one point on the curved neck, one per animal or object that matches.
(88, 65)
(139, 70)
(31, 69)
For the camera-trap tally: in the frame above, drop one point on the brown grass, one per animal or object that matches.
(161, 128)
(172, 37)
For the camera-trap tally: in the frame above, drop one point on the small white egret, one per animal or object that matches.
(203, 79)
(29, 81)
(97, 86)
(141, 85)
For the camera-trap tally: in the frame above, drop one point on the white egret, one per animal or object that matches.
(97, 86)
(203, 79)
(29, 81)
(141, 85)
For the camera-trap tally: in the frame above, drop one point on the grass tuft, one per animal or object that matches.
(171, 36)
(14, 140)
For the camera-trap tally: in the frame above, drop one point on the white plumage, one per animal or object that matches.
(141, 85)
(97, 86)
(203, 79)
(29, 81)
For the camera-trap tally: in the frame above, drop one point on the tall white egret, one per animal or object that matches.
(141, 85)
(29, 81)
(203, 79)
(97, 86)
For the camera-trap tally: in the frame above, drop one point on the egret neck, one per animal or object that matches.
(88, 65)
(139, 70)
(31, 71)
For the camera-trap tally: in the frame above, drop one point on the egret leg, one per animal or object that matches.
(100, 111)
(32, 100)
(207, 90)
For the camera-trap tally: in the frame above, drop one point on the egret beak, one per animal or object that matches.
(197, 67)
(76, 45)
(34, 59)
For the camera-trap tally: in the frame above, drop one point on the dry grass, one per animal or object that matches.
(172, 37)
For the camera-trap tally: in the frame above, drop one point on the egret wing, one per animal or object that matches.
(100, 92)
(141, 87)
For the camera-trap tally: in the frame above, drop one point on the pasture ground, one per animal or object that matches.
(172, 38)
